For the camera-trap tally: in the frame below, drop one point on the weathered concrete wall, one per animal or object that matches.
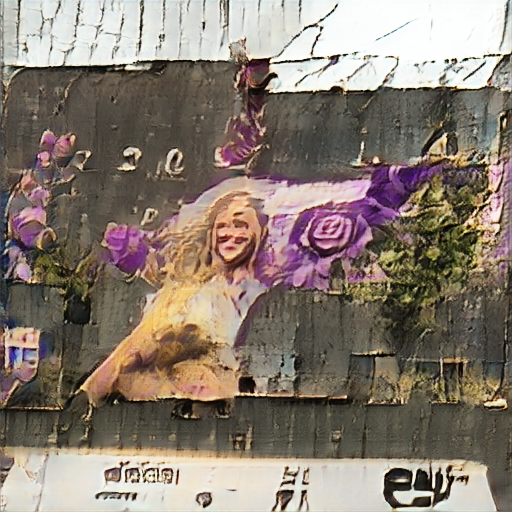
(311, 136)
(186, 105)
(273, 427)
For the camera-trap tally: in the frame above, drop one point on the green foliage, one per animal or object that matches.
(50, 269)
(430, 250)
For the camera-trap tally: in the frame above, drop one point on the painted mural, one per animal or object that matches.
(406, 234)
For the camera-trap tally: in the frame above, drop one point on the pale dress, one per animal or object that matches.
(183, 346)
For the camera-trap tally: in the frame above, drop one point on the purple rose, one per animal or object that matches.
(332, 232)
(321, 235)
(128, 246)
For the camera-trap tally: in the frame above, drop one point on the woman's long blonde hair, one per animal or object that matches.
(189, 252)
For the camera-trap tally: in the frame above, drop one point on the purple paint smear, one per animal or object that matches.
(128, 247)
(244, 132)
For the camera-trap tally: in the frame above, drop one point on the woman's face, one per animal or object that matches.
(236, 232)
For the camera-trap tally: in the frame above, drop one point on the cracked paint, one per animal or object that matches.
(127, 32)
(290, 351)
(97, 32)
(352, 73)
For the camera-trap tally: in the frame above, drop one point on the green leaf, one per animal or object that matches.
(433, 253)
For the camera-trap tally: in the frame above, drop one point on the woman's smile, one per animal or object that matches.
(235, 232)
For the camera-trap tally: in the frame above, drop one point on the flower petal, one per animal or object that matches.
(47, 140)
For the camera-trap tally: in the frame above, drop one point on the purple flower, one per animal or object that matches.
(321, 235)
(28, 225)
(27, 215)
(43, 160)
(63, 149)
(128, 246)
(300, 250)
(17, 266)
(336, 232)
(55, 150)
(39, 196)
(47, 141)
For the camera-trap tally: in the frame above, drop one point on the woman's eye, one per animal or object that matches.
(240, 224)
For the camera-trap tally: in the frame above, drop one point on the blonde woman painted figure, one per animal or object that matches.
(216, 257)
(183, 346)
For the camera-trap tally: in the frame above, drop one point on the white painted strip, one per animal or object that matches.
(467, 74)
(149, 481)
(171, 30)
(211, 31)
(190, 30)
(10, 30)
(357, 74)
(152, 22)
(128, 45)
(416, 31)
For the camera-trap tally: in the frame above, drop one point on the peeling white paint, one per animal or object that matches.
(424, 30)
(374, 74)
(91, 13)
(152, 21)
(467, 74)
(369, 73)
(193, 29)
(314, 45)
(127, 45)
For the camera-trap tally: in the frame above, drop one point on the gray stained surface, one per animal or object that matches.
(310, 136)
